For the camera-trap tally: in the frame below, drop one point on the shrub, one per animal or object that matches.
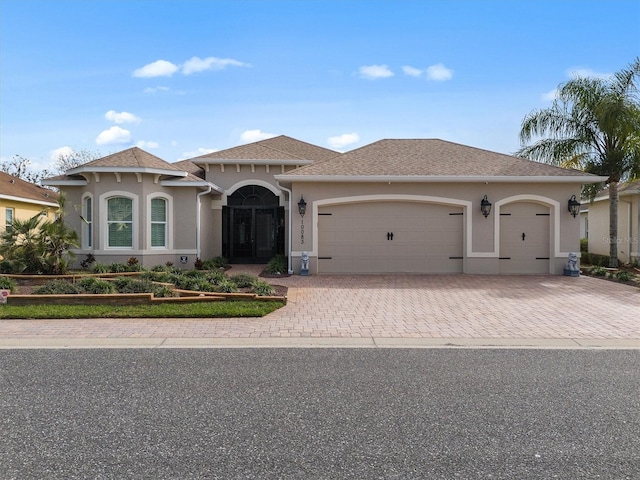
(226, 286)
(118, 268)
(622, 276)
(595, 259)
(164, 291)
(132, 285)
(88, 261)
(12, 266)
(262, 288)
(584, 245)
(243, 280)
(216, 262)
(95, 286)
(56, 287)
(198, 264)
(215, 276)
(598, 271)
(100, 268)
(277, 265)
(8, 284)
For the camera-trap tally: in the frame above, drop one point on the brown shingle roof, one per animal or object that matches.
(428, 157)
(15, 187)
(131, 158)
(190, 167)
(276, 148)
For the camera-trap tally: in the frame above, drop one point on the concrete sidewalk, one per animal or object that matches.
(374, 311)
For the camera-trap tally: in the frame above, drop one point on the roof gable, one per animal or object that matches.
(276, 148)
(429, 158)
(131, 159)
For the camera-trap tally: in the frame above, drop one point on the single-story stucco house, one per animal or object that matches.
(423, 206)
(21, 200)
(596, 222)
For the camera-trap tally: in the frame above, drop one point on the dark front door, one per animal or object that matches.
(253, 226)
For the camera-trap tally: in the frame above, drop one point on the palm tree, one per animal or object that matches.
(593, 125)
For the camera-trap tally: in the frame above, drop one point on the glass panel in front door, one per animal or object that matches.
(242, 233)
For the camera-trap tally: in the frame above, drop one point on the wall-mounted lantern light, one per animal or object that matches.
(302, 207)
(485, 207)
(574, 206)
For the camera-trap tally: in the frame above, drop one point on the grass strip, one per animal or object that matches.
(183, 310)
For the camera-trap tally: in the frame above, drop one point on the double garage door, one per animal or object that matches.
(390, 237)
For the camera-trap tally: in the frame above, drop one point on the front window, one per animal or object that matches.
(120, 222)
(158, 222)
(8, 224)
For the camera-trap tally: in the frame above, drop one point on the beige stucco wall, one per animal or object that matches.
(181, 221)
(628, 233)
(481, 241)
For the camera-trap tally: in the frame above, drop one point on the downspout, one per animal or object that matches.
(290, 220)
(199, 201)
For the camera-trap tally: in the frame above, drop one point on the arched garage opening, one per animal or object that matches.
(390, 235)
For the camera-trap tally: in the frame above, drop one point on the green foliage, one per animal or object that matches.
(12, 266)
(243, 280)
(133, 285)
(95, 286)
(622, 276)
(100, 268)
(260, 287)
(214, 263)
(88, 261)
(226, 286)
(584, 245)
(594, 259)
(277, 265)
(118, 268)
(133, 265)
(198, 264)
(7, 283)
(598, 271)
(56, 287)
(182, 310)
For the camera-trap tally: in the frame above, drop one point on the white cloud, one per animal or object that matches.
(144, 144)
(196, 64)
(200, 151)
(122, 117)
(341, 141)
(249, 136)
(373, 72)
(550, 96)
(159, 68)
(439, 72)
(156, 89)
(62, 152)
(113, 135)
(586, 72)
(412, 71)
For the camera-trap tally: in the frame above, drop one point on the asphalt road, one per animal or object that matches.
(319, 413)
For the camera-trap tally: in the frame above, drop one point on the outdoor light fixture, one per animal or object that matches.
(302, 207)
(485, 207)
(574, 206)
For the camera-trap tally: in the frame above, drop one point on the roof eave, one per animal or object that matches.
(64, 183)
(231, 161)
(28, 200)
(154, 171)
(580, 179)
(178, 183)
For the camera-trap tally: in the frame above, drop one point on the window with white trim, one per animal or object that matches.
(120, 222)
(8, 223)
(158, 222)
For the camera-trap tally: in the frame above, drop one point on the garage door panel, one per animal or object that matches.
(529, 253)
(353, 238)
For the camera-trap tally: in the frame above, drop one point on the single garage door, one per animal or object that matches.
(524, 238)
(390, 237)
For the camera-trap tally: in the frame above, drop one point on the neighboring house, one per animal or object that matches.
(391, 206)
(20, 200)
(628, 222)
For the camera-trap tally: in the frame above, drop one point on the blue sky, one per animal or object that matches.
(180, 78)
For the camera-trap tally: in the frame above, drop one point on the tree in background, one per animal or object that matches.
(593, 125)
(18, 166)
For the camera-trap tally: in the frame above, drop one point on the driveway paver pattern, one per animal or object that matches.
(396, 306)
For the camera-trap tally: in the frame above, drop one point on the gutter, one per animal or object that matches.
(290, 270)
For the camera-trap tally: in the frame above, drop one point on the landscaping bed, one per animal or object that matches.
(628, 275)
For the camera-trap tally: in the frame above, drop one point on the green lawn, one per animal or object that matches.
(183, 310)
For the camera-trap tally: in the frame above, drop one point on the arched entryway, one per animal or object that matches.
(252, 225)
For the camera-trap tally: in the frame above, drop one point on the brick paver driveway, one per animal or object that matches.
(398, 306)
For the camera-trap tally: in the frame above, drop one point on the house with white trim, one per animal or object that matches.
(396, 205)
(21, 200)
